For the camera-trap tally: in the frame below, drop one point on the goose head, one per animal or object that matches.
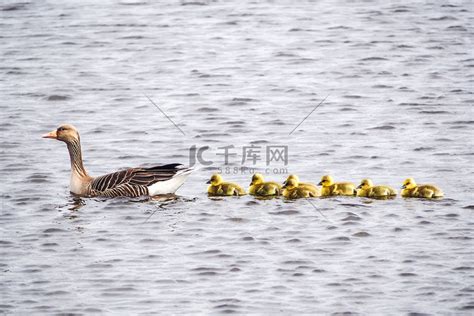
(409, 184)
(257, 179)
(65, 133)
(365, 184)
(291, 176)
(216, 179)
(326, 181)
(291, 183)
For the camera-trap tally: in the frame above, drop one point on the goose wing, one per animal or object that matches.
(133, 181)
(149, 176)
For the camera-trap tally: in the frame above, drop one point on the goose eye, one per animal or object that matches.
(60, 129)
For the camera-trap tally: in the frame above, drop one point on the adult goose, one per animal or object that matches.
(133, 182)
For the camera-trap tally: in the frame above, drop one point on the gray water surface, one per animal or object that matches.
(398, 80)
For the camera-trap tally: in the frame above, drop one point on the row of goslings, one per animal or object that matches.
(292, 188)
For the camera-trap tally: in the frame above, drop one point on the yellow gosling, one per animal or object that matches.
(308, 186)
(294, 190)
(259, 187)
(218, 187)
(367, 189)
(330, 188)
(426, 191)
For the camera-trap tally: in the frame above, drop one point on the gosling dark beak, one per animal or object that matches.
(404, 186)
(359, 187)
(208, 182)
(52, 134)
(284, 183)
(320, 183)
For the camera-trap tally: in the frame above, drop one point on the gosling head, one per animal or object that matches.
(257, 179)
(409, 184)
(65, 133)
(365, 184)
(292, 176)
(326, 181)
(216, 179)
(291, 184)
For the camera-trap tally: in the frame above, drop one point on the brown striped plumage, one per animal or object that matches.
(133, 182)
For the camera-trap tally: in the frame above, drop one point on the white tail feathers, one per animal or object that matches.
(170, 186)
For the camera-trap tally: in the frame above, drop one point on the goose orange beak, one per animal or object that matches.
(51, 134)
